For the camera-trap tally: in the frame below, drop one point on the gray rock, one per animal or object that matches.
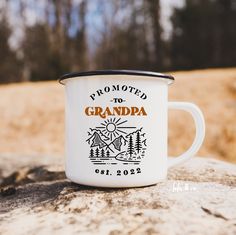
(199, 197)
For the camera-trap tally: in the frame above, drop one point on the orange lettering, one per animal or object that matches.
(115, 111)
(142, 112)
(134, 110)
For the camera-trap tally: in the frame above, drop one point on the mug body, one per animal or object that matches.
(116, 130)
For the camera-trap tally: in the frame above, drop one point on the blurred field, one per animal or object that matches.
(32, 115)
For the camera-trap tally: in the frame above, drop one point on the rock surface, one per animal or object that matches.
(199, 197)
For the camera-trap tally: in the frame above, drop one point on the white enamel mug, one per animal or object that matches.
(116, 128)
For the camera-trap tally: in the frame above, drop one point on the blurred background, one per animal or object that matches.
(41, 40)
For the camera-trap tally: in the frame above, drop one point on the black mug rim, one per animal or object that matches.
(115, 72)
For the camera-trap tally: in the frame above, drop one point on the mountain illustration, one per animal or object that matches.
(92, 132)
(129, 148)
(117, 143)
(135, 132)
(97, 141)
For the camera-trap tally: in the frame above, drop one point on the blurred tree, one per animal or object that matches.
(133, 42)
(79, 47)
(9, 64)
(74, 47)
(159, 50)
(203, 35)
(42, 62)
(48, 48)
(227, 42)
(128, 35)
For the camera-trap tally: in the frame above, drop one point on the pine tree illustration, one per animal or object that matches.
(102, 153)
(97, 152)
(91, 153)
(138, 143)
(108, 153)
(130, 146)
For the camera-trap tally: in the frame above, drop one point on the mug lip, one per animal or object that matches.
(115, 72)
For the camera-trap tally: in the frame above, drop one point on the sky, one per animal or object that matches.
(34, 15)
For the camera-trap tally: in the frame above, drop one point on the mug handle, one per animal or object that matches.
(200, 131)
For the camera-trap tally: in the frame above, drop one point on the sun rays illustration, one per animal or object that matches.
(114, 127)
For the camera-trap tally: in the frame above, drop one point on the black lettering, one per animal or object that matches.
(115, 87)
(131, 88)
(143, 96)
(92, 96)
(106, 88)
(124, 88)
(99, 92)
(137, 92)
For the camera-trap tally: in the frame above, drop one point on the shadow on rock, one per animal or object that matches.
(30, 175)
(31, 194)
(31, 187)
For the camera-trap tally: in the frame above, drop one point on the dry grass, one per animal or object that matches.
(32, 115)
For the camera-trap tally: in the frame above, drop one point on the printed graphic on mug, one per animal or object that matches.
(114, 141)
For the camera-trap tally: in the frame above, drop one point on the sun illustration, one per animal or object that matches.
(113, 127)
